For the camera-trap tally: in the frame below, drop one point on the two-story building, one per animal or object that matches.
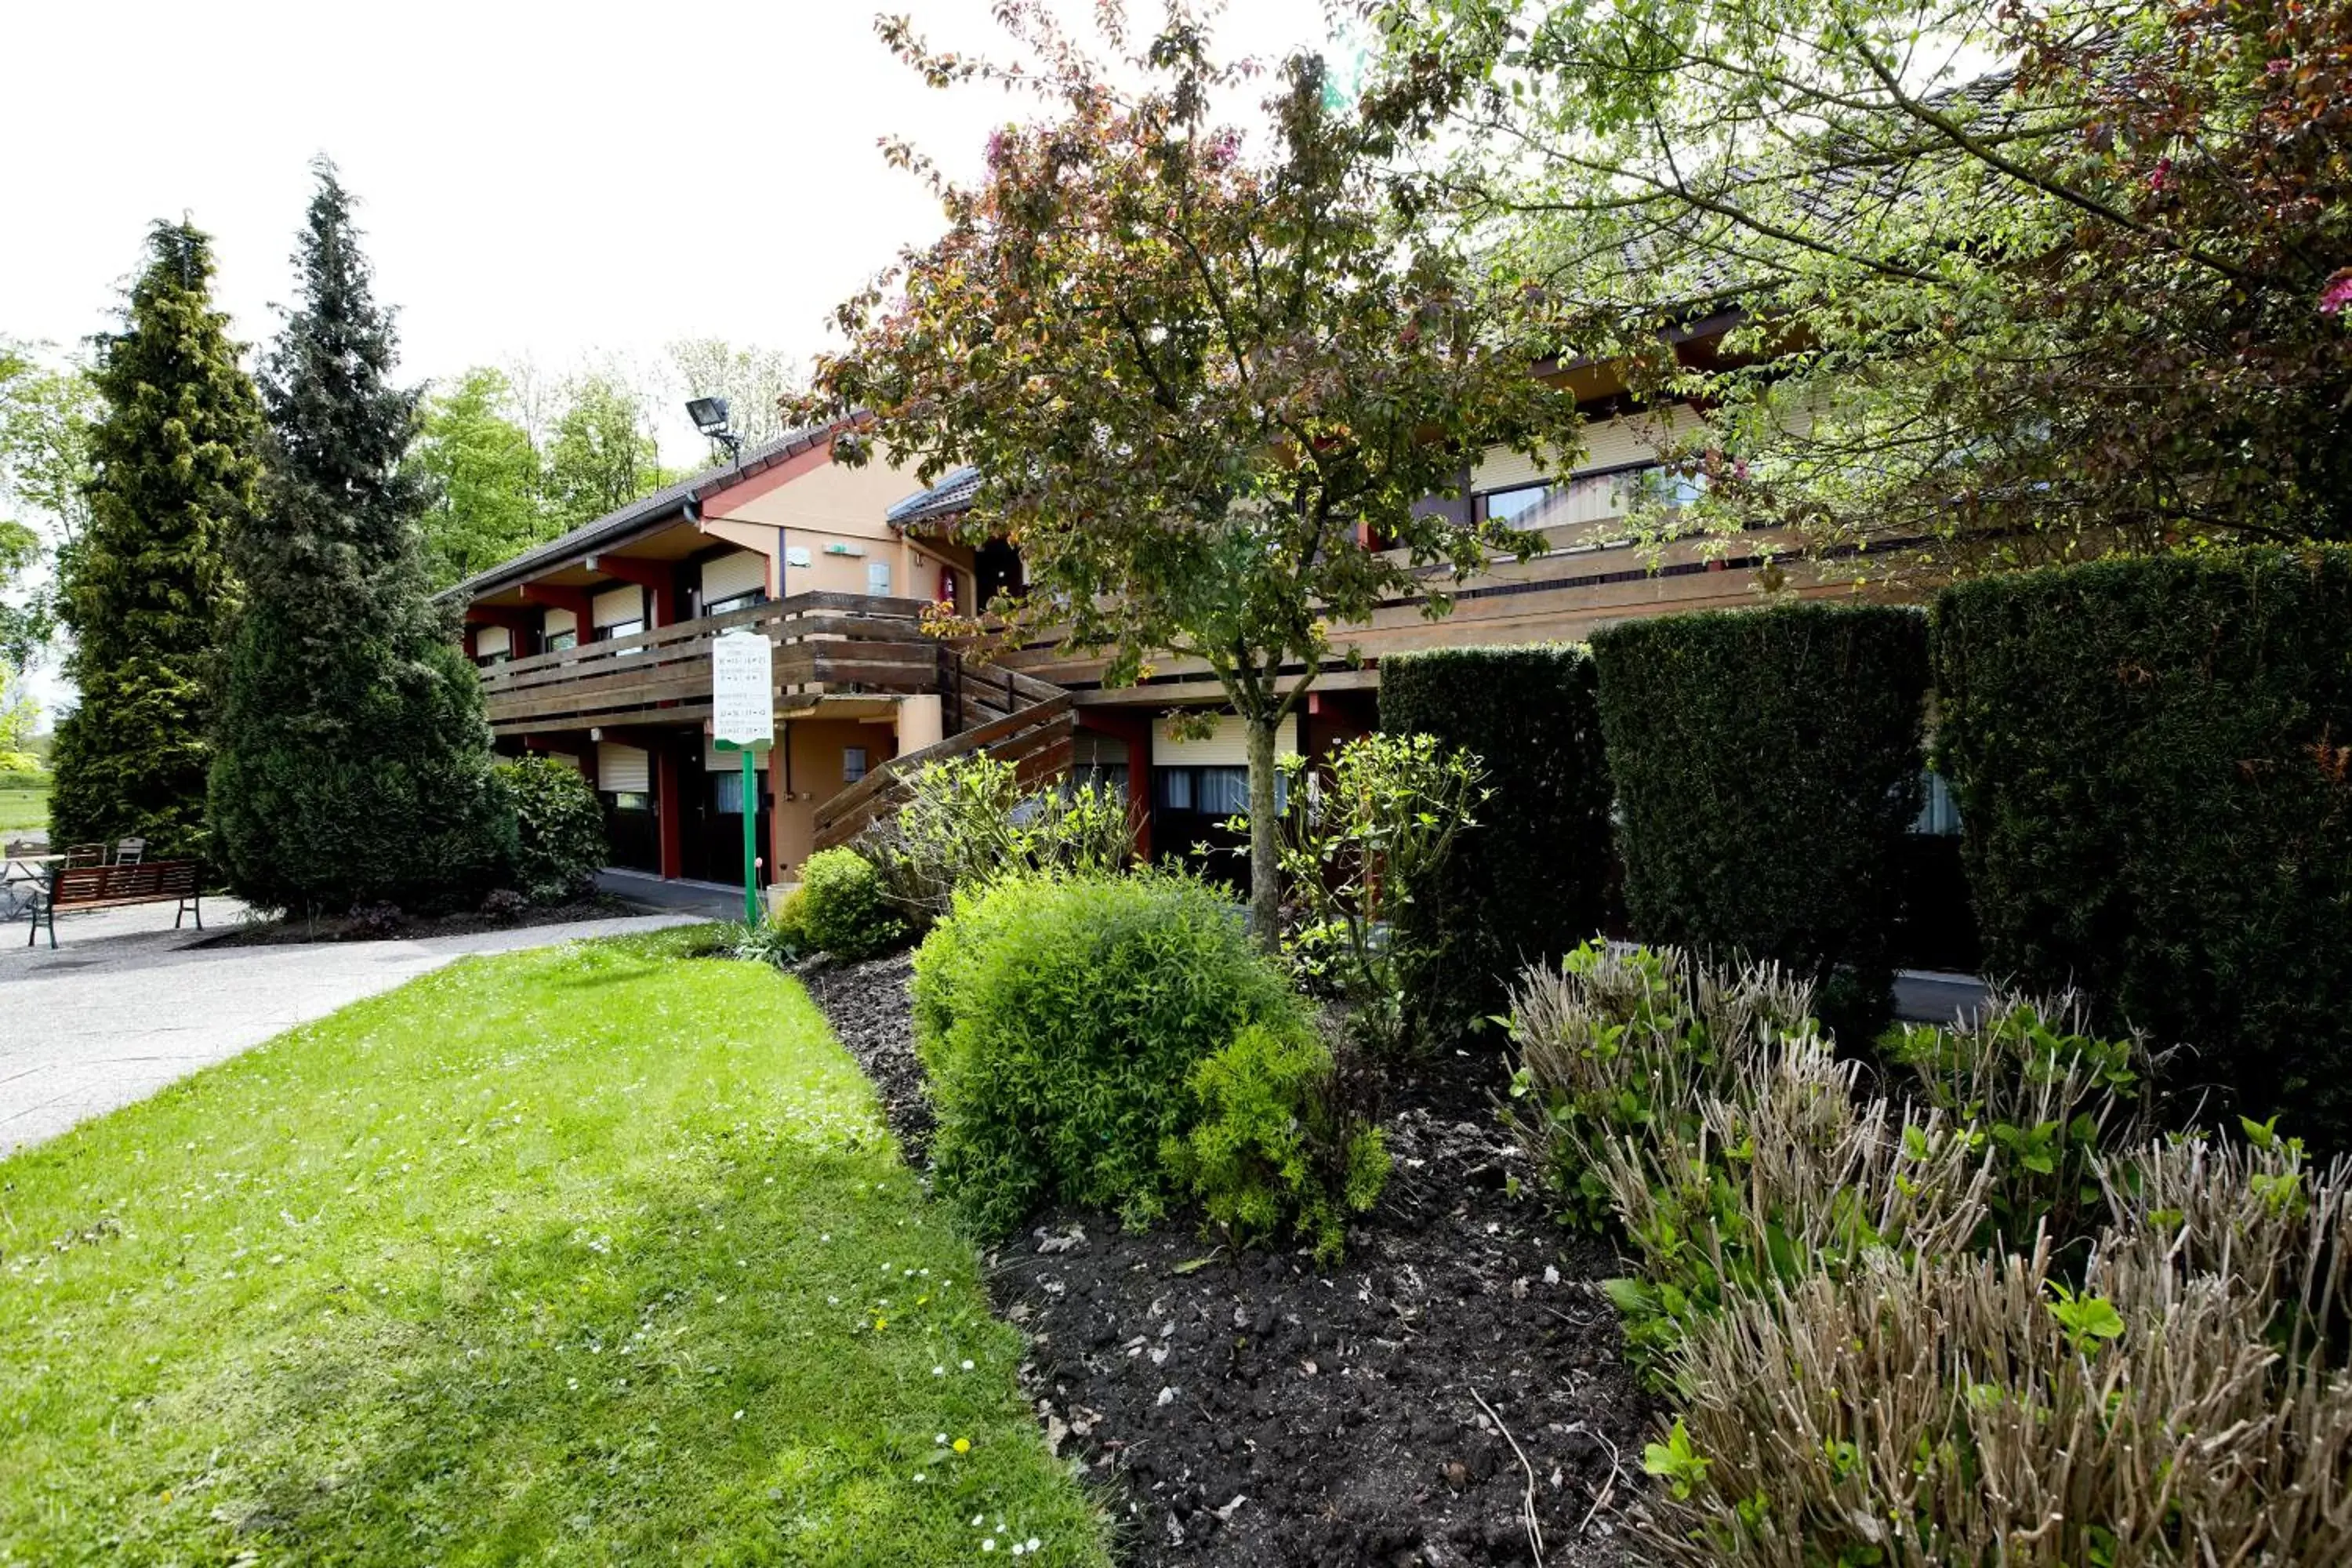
(595, 648)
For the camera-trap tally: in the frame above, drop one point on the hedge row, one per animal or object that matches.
(1532, 879)
(2153, 760)
(1767, 765)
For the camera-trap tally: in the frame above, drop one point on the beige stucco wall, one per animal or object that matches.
(832, 505)
(816, 753)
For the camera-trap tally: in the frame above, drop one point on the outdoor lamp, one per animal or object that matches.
(710, 416)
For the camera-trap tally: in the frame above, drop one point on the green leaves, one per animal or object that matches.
(2089, 1321)
(1676, 1462)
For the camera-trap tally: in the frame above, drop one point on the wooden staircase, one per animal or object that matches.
(997, 712)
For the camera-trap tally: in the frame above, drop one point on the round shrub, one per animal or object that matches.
(558, 828)
(842, 908)
(1060, 1021)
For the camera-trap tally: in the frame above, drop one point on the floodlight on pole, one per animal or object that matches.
(710, 416)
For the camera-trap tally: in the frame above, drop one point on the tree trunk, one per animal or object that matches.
(1266, 873)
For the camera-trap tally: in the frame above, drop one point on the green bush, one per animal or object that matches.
(1275, 1145)
(558, 828)
(1060, 1020)
(2150, 760)
(842, 908)
(1532, 878)
(965, 821)
(1767, 765)
(1365, 844)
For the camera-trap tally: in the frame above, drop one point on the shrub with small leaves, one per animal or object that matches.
(842, 908)
(1060, 1020)
(1276, 1145)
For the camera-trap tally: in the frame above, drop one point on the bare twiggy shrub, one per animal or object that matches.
(965, 822)
(2184, 1406)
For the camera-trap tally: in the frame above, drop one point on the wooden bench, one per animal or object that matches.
(74, 888)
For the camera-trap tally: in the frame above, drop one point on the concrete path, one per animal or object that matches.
(126, 1005)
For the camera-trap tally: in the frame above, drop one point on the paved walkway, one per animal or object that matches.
(126, 1005)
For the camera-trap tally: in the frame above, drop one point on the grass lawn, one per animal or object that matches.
(596, 1254)
(23, 808)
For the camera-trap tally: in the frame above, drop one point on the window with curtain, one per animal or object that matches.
(852, 763)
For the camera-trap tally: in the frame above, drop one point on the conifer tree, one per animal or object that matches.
(175, 456)
(354, 761)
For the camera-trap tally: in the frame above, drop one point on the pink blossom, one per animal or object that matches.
(2159, 175)
(2336, 292)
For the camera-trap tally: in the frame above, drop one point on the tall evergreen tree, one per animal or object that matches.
(175, 456)
(355, 761)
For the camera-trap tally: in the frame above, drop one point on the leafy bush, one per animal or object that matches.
(558, 828)
(1364, 843)
(1060, 1019)
(1531, 878)
(842, 908)
(1767, 765)
(2153, 760)
(2187, 1403)
(965, 821)
(1275, 1145)
(2045, 1096)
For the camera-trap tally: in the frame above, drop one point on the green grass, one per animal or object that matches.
(24, 808)
(597, 1254)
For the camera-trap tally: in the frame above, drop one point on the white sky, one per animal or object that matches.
(539, 180)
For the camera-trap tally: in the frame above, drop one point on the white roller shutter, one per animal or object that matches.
(488, 640)
(730, 575)
(1228, 747)
(557, 622)
(1608, 444)
(616, 606)
(622, 770)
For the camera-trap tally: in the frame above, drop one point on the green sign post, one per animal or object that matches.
(743, 718)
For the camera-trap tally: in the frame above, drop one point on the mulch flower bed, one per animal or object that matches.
(1457, 1379)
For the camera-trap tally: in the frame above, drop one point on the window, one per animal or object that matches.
(852, 763)
(501, 656)
(736, 602)
(619, 629)
(632, 800)
(878, 579)
(1211, 790)
(1511, 506)
(726, 793)
(558, 641)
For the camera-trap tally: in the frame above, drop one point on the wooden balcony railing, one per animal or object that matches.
(1038, 739)
(826, 644)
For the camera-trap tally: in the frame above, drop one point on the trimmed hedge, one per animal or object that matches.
(842, 909)
(1767, 765)
(1532, 879)
(2150, 758)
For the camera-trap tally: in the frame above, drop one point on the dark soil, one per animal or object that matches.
(1253, 1410)
(402, 926)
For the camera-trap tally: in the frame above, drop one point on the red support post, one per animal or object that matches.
(669, 811)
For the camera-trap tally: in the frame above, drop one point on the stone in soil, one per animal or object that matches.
(1253, 1410)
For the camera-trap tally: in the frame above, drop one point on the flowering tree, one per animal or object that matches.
(1206, 387)
(2021, 281)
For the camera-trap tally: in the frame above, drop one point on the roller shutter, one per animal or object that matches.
(616, 606)
(622, 770)
(1227, 748)
(729, 576)
(557, 622)
(488, 640)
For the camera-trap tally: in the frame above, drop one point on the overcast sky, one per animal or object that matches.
(550, 181)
